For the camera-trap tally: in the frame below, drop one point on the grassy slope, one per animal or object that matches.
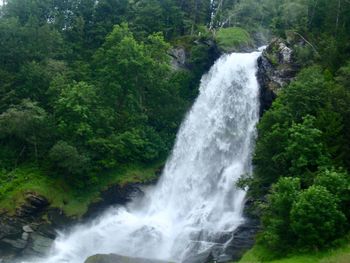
(259, 254)
(60, 194)
(228, 39)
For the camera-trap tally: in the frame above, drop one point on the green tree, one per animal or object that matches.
(337, 182)
(76, 109)
(316, 218)
(305, 150)
(27, 127)
(277, 233)
(66, 159)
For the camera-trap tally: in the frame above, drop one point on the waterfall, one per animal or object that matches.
(195, 203)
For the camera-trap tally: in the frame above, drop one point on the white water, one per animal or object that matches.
(196, 198)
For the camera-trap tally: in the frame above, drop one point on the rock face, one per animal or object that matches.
(178, 58)
(112, 258)
(26, 234)
(276, 68)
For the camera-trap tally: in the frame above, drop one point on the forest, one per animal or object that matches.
(87, 88)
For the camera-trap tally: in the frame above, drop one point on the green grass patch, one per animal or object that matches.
(259, 254)
(231, 38)
(60, 193)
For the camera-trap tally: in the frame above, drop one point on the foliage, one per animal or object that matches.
(82, 91)
(316, 219)
(304, 137)
(277, 235)
(66, 159)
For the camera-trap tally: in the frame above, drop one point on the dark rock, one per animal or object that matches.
(33, 205)
(276, 69)
(40, 244)
(114, 195)
(113, 258)
(243, 239)
(58, 219)
(15, 243)
(178, 58)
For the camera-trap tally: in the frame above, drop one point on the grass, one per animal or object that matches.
(260, 255)
(231, 38)
(60, 193)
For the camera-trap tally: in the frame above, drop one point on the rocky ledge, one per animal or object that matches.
(277, 67)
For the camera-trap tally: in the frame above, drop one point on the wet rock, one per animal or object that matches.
(243, 239)
(40, 244)
(113, 258)
(115, 194)
(58, 219)
(15, 243)
(25, 236)
(276, 68)
(27, 229)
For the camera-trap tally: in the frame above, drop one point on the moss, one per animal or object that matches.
(73, 202)
(233, 38)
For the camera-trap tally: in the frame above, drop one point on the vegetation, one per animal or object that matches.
(87, 93)
(260, 254)
(301, 180)
(233, 38)
(61, 193)
(88, 98)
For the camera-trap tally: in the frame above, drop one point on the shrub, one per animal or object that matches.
(276, 216)
(67, 159)
(316, 219)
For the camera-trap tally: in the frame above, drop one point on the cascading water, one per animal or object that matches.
(196, 201)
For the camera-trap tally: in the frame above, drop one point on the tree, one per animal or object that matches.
(277, 233)
(76, 109)
(305, 150)
(66, 159)
(337, 182)
(316, 218)
(25, 125)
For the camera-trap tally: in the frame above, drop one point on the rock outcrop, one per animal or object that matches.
(178, 58)
(26, 233)
(276, 68)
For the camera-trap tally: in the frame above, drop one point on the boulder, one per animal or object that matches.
(113, 258)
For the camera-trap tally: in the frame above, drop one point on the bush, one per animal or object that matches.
(316, 219)
(276, 216)
(67, 159)
(337, 183)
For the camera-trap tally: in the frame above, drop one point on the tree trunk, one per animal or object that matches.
(338, 15)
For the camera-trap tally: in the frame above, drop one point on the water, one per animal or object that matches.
(196, 201)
